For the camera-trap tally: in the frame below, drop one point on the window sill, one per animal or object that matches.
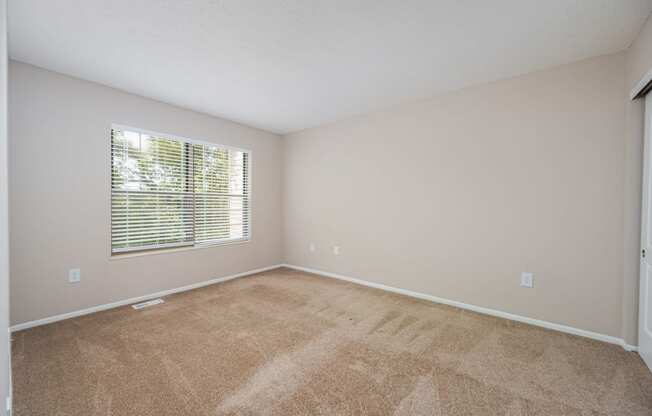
(153, 252)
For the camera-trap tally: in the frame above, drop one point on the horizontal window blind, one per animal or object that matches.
(167, 192)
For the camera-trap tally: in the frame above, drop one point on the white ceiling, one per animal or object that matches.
(286, 65)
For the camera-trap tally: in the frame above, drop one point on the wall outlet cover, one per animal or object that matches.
(312, 247)
(74, 275)
(527, 279)
(336, 250)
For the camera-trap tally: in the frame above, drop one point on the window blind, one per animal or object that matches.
(170, 192)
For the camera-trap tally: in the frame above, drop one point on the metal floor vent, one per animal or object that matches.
(147, 304)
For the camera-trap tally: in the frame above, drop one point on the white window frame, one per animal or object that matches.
(178, 247)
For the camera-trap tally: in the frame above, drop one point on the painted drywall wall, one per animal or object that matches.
(456, 196)
(5, 361)
(29, 279)
(60, 199)
(638, 63)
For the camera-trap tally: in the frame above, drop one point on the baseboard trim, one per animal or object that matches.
(479, 309)
(487, 311)
(74, 314)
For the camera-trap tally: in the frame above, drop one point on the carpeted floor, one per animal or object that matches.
(288, 343)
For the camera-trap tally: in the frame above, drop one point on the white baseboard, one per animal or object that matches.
(544, 324)
(537, 322)
(48, 320)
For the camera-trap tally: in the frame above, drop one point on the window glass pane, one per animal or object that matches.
(167, 192)
(150, 202)
(147, 163)
(220, 210)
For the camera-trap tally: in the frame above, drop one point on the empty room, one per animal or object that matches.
(325, 207)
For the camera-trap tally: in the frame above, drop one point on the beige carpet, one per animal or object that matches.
(288, 343)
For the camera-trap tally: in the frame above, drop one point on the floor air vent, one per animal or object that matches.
(147, 304)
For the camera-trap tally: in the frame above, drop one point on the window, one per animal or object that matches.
(172, 192)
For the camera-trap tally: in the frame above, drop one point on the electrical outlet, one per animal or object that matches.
(527, 279)
(74, 275)
(312, 247)
(336, 250)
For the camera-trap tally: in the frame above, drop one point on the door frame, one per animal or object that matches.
(645, 303)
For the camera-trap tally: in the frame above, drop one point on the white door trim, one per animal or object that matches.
(647, 78)
(645, 302)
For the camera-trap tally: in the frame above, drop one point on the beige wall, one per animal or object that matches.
(5, 377)
(59, 196)
(457, 195)
(453, 196)
(638, 63)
